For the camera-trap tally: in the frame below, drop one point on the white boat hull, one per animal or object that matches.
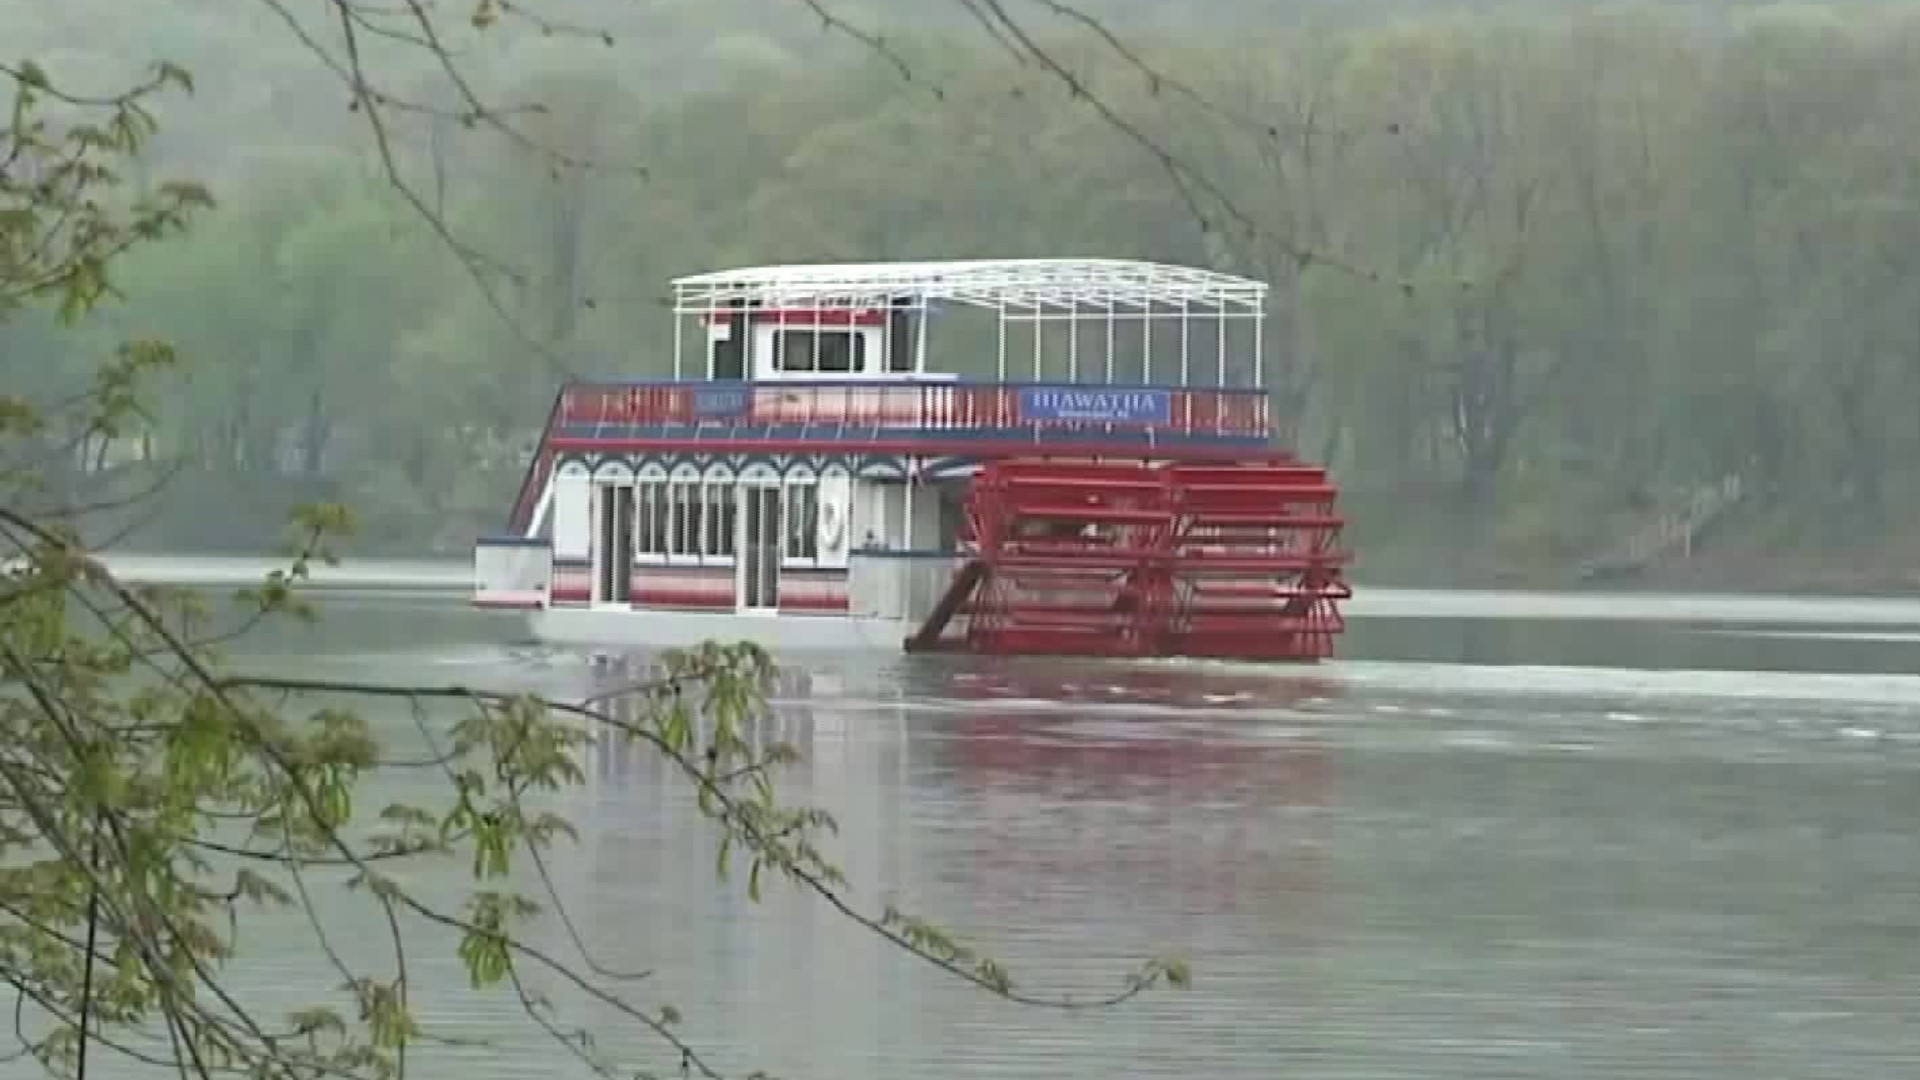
(644, 629)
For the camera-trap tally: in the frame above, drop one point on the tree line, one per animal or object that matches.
(1536, 281)
(163, 809)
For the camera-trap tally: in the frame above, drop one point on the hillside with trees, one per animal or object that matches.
(181, 835)
(1542, 272)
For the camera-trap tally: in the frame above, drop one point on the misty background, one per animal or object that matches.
(1553, 281)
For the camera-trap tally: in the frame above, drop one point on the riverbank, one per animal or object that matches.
(1839, 573)
(1402, 540)
(1835, 575)
(1700, 590)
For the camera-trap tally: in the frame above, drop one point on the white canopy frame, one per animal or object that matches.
(1076, 297)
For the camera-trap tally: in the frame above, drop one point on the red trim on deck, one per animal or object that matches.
(968, 448)
(1229, 412)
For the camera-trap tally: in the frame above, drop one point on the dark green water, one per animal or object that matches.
(1532, 846)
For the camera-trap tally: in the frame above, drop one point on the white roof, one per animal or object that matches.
(1027, 284)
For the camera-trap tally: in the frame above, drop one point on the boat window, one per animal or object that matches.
(833, 352)
(900, 340)
(650, 517)
(953, 516)
(687, 517)
(803, 522)
(718, 542)
(690, 519)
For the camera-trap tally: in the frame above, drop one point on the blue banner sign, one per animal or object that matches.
(1099, 405)
(720, 402)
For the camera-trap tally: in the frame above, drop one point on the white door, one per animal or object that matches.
(757, 578)
(612, 539)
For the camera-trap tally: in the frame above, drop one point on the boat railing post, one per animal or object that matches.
(1073, 338)
(1000, 331)
(680, 331)
(1220, 310)
(1146, 340)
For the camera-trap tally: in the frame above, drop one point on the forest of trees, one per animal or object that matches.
(1539, 275)
(166, 812)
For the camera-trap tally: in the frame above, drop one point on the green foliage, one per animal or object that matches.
(155, 803)
(63, 212)
(139, 769)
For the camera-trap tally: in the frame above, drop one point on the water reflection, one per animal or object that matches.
(1069, 839)
(787, 982)
(1365, 891)
(612, 757)
(1379, 869)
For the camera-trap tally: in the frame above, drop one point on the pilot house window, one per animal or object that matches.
(833, 352)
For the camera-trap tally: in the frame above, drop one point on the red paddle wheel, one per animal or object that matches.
(1139, 559)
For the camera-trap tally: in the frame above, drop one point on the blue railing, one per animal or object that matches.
(949, 406)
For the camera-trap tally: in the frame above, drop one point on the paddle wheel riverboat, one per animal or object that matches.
(1092, 471)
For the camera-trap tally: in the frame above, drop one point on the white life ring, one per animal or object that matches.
(832, 525)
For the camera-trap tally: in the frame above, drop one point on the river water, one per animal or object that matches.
(1503, 837)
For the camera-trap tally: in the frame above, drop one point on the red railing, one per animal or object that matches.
(941, 406)
(538, 469)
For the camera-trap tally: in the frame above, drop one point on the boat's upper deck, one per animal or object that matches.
(1096, 352)
(905, 416)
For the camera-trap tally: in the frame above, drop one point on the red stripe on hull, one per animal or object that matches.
(706, 598)
(712, 589)
(813, 603)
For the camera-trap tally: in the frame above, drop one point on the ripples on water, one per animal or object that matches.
(1378, 870)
